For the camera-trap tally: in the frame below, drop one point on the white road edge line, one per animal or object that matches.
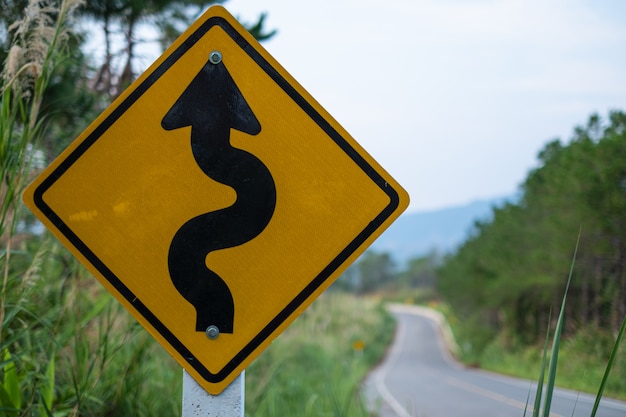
(447, 343)
(382, 389)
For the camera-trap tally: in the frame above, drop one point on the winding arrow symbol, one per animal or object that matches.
(213, 105)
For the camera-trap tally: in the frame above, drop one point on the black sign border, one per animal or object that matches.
(117, 282)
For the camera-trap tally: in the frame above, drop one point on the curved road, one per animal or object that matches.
(419, 379)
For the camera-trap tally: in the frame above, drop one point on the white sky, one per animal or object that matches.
(453, 97)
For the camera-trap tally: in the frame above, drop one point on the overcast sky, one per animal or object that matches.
(453, 97)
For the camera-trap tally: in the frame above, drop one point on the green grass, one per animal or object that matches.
(316, 366)
(581, 368)
(552, 364)
(584, 362)
(70, 349)
(582, 357)
(592, 360)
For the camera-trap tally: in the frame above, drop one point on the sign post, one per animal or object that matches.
(199, 403)
(215, 199)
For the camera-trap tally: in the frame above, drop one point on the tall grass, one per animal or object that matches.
(554, 358)
(609, 367)
(77, 352)
(37, 41)
(66, 347)
(582, 362)
(582, 357)
(316, 366)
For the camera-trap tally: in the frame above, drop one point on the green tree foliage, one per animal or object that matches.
(372, 272)
(378, 272)
(511, 272)
(375, 271)
(420, 272)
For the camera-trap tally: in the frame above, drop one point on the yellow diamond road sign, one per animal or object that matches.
(216, 199)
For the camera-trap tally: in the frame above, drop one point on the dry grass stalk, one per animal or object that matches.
(35, 37)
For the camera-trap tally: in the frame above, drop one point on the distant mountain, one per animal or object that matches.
(418, 233)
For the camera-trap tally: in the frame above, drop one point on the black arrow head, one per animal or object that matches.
(212, 100)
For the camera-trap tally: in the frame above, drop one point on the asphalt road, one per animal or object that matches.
(419, 378)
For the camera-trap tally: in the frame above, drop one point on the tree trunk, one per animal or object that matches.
(127, 75)
(596, 290)
(103, 78)
(620, 304)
